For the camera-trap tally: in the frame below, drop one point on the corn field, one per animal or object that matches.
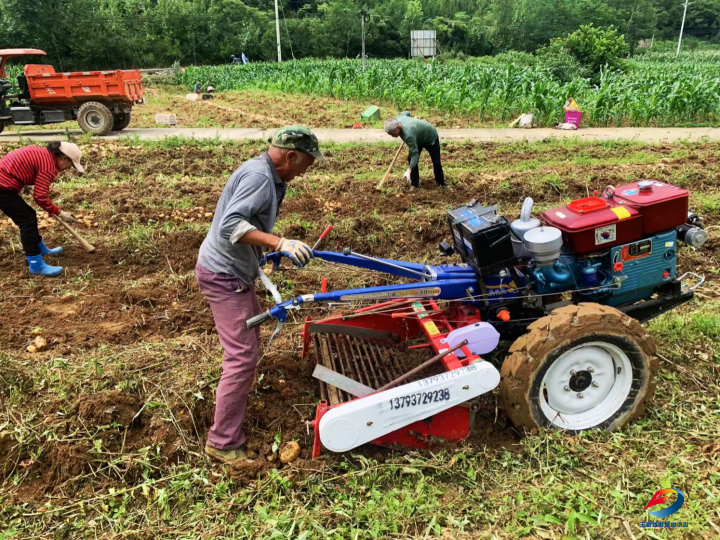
(653, 92)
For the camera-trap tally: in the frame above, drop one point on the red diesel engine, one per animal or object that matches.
(615, 249)
(620, 216)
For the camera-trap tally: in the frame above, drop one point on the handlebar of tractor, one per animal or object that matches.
(275, 257)
(436, 284)
(350, 258)
(257, 320)
(451, 288)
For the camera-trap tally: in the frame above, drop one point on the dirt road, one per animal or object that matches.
(651, 135)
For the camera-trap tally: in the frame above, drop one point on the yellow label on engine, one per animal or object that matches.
(431, 328)
(621, 212)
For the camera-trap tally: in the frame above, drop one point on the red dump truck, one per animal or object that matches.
(100, 101)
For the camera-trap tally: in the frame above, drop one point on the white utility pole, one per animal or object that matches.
(362, 16)
(363, 38)
(277, 30)
(682, 27)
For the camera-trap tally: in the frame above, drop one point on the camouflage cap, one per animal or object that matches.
(297, 138)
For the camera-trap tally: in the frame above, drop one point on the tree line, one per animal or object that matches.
(103, 34)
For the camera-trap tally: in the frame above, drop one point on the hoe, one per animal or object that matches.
(568, 291)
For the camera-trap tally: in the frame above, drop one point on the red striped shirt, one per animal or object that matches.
(30, 166)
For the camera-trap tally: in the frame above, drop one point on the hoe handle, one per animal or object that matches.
(87, 246)
(392, 164)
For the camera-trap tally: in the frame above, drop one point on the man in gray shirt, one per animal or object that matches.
(229, 263)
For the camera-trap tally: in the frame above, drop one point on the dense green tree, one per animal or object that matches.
(87, 34)
(596, 48)
(702, 21)
(588, 50)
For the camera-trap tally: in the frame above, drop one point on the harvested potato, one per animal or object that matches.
(39, 343)
(290, 452)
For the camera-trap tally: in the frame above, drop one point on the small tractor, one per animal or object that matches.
(100, 101)
(568, 292)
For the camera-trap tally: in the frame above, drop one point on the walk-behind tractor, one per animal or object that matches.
(568, 290)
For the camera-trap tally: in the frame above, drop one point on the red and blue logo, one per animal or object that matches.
(661, 497)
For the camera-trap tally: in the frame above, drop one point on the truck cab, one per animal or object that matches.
(8, 100)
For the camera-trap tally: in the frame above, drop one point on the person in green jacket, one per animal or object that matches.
(417, 135)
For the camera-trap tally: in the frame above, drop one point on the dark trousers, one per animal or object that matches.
(434, 151)
(14, 207)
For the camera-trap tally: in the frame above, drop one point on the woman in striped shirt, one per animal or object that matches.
(38, 167)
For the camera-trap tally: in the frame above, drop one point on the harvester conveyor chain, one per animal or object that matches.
(368, 362)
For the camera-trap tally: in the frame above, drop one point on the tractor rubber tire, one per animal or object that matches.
(2, 126)
(562, 358)
(121, 121)
(95, 118)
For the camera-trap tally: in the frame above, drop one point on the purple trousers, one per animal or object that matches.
(232, 302)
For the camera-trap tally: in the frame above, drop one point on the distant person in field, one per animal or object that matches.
(244, 59)
(228, 266)
(418, 135)
(197, 88)
(38, 167)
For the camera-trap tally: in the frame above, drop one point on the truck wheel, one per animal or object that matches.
(581, 367)
(95, 118)
(121, 121)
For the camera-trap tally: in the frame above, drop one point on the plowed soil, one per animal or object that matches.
(266, 110)
(126, 383)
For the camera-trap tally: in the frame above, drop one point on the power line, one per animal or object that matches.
(286, 32)
(203, 41)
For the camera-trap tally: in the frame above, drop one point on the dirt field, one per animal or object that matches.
(260, 109)
(101, 432)
(269, 109)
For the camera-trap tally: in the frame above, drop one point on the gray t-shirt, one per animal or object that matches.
(250, 201)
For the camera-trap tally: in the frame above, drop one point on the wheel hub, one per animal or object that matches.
(586, 385)
(580, 380)
(95, 120)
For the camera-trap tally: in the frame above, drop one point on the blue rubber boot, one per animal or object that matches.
(39, 268)
(44, 250)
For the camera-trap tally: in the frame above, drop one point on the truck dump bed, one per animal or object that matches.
(46, 87)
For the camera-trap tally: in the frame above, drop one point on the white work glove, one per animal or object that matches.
(406, 176)
(295, 250)
(67, 217)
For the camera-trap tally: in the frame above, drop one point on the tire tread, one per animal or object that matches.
(551, 332)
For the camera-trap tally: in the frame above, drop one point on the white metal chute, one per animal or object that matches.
(363, 420)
